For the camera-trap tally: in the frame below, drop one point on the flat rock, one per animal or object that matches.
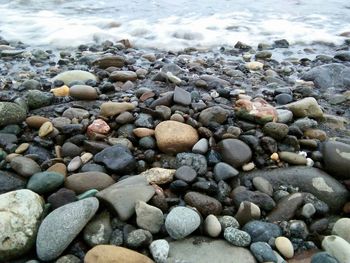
(45, 182)
(262, 231)
(24, 166)
(213, 114)
(20, 216)
(62, 225)
(74, 75)
(109, 109)
(110, 61)
(234, 152)
(159, 175)
(122, 196)
(82, 182)
(307, 179)
(123, 76)
(11, 113)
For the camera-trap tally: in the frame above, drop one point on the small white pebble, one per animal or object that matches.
(248, 167)
(309, 162)
(302, 153)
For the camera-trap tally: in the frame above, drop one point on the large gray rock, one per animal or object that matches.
(62, 225)
(330, 75)
(336, 157)
(20, 213)
(11, 113)
(234, 152)
(122, 196)
(149, 217)
(207, 250)
(307, 179)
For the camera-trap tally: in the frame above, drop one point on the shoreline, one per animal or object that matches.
(208, 144)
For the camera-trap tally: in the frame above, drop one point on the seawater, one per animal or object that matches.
(173, 24)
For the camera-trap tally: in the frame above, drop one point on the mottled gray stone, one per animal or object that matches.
(237, 237)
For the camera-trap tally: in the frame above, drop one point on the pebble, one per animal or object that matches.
(247, 211)
(307, 107)
(337, 247)
(83, 92)
(149, 217)
(284, 116)
(308, 210)
(237, 237)
(159, 175)
(263, 252)
(292, 158)
(45, 182)
(98, 230)
(235, 152)
(341, 228)
(248, 167)
(212, 226)
(61, 197)
(160, 250)
(143, 132)
(123, 76)
(254, 65)
(110, 109)
(36, 121)
(323, 257)
(215, 114)
(186, 173)
(181, 222)
(201, 146)
(109, 61)
(206, 205)
(22, 148)
(276, 130)
(316, 134)
(74, 75)
(60, 91)
(98, 126)
(139, 238)
(24, 166)
(262, 231)
(74, 164)
(182, 96)
(284, 246)
(82, 182)
(263, 185)
(223, 171)
(11, 113)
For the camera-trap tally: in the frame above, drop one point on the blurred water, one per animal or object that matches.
(173, 24)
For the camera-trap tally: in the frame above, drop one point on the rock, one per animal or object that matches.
(37, 99)
(254, 65)
(284, 116)
(98, 230)
(201, 146)
(262, 231)
(175, 137)
(122, 196)
(237, 237)
(241, 194)
(329, 75)
(316, 134)
(82, 182)
(114, 254)
(83, 92)
(159, 175)
(247, 211)
(307, 179)
(7, 140)
(149, 217)
(223, 171)
(11, 113)
(285, 247)
(283, 98)
(117, 237)
(234, 152)
(182, 96)
(257, 110)
(186, 173)
(181, 221)
(336, 157)
(172, 78)
(286, 208)
(139, 238)
(196, 161)
(341, 228)
(74, 164)
(10, 182)
(207, 251)
(206, 205)
(71, 113)
(307, 107)
(276, 130)
(70, 150)
(337, 247)
(20, 216)
(45, 129)
(36, 121)
(263, 185)
(74, 75)
(123, 76)
(159, 250)
(66, 259)
(228, 221)
(263, 252)
(213, 114)
(323, 257)
(24, 166)
(60, 91)
(62, 197)
(117, 158)
(213, 82)
(110, 109)
(62, 225)
(109, 61)
(45, 182)
(212, 226)
(143, 132)
(292, 158)
(308, 210)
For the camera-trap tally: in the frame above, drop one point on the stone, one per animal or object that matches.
(186, 173)
(149, 217)
(205, 204)
(110, 109)
(159, 175)
(83, 92)
(341, 228)
(307, 107)
(114, 254)
(62, 197)
(286, 208)
(263, 252)
(307, 179)
(175, 137)
(247, 211)
(336, 157)
(143, 132)
(172, 78)
(285, 247)
(98, 126)
(109, 61)
(201, 146)
(213, 114)
(182, 96)
(62, 225)
(329, 75)
(20, 217)
(160, 250)
(292, 158)
(10, 182)
(60, 91)
(181, 222)
(123, 76)
(123, 195)
(254, 65)
(263, 185)
(224, 171)
(276, 130)
(241, 194)
(212, 226)
(37, 99)
(228, 221)
(308, 210)
(45, 182)
(11, 113)
(74, 75)
(45, 129)
(22, 148)
(117, 237)
(262, 231)
(337, 247)
(196, 161)
(74, 164)
(70, 150)
(24, 166)
(237, 237)
(139, 238)
(206, 251)
(284, 116)
(7, 140)
(257, 110)
(234, 152)
(82, 182)
(71, 113)
(36, 121)
(117, 158)
(98, 230)
(323, 257)
(316, 134)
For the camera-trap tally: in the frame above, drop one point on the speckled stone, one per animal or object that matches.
(237, 237)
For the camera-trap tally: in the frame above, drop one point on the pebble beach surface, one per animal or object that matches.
(109, 154)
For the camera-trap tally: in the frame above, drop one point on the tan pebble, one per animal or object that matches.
(212, 226)
(248, 167)
(22, 147)
(143, 132)
(74, 164)
(86, 157)
(172, 78)
(159, 175)
(109, 109)
(177, 117)
(274, 157)
(11, 156)
(45, 129)
(59, 168)
(61, 91)
(36, 121)
(285, 247)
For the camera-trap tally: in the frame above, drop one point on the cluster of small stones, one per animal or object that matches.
(114, 154)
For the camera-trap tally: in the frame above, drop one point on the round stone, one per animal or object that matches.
(235, 152)
(205, 204)
(342, 228)
(83, 92)
(186, 173)
(212, 226)
(262, 231)
(237, 237)
(276, 130)
(159, 250)
(82, 182)
(263, 252)
(45, 182)
(11, 113)
(285, 247)
(24, 166)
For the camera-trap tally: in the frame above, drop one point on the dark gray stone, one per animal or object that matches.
(323, 257)
(11, 113)
(263, 252)
(262, 231)
(223, 171)
(234, 152)
(196, 161)
(10, 182)
(182, 96)
(213, 114)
